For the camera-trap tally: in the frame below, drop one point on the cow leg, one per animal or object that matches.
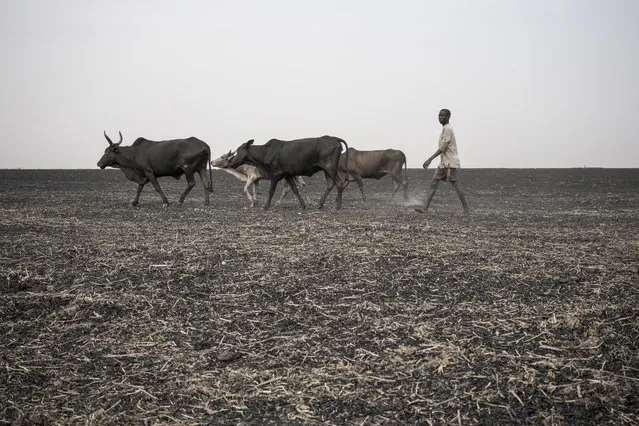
(330, 183)
(360, 185)
(137, 195)
(301, 185)
(156, 185)
(293, 186)
(208, 185)
(397, 182)
(347, 180)
(191, 183)
(332, 179)
(247, 187)
(286, 187)
(340, 190)
(396, 185)
(271, 192)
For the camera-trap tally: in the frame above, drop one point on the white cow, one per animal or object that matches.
(251, 175)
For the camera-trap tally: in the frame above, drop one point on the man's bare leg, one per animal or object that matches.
(462, 198)
(433, 189)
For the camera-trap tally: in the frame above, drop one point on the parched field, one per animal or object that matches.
(526, 312)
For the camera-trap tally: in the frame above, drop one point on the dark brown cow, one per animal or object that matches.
(375, 165)
(277, 160)
(147, 160)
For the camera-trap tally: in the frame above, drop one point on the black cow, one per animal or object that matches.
(147, 160)
(375, 165)
(278, 160)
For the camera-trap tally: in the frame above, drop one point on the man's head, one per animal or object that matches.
(444, 116)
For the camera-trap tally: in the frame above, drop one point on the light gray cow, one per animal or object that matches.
(251, 175)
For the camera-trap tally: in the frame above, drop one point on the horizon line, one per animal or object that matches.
(409, 168)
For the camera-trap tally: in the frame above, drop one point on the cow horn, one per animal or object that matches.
(120, 138)
(107, 138)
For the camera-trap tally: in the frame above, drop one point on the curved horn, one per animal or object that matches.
(107, 138)
(120, 138)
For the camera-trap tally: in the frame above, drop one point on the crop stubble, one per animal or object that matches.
(525, 312)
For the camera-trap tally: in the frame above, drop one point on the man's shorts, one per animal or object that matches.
(446, 174)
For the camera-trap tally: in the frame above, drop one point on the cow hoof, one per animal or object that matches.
(134, 204)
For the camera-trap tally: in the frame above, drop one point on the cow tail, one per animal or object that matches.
(405, 170)
(210, 188)
(346, 161)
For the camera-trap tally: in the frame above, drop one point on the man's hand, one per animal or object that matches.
(426, 164)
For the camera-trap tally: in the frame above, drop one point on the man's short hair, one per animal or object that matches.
(445, 111)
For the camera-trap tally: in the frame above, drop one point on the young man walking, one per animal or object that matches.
(449, 162)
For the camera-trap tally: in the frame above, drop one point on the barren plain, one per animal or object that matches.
(526, 312)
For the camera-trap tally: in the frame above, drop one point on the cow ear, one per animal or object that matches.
(249, 143)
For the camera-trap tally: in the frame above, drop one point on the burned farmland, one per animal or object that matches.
(525, 312)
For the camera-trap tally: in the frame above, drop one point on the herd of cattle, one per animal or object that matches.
(145, 160)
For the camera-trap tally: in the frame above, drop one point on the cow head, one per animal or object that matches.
(241, 154)
(223, 161)
(111, 153)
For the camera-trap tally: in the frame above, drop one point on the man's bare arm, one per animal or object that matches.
(432, 157)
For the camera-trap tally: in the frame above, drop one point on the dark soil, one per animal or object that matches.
(526, 312)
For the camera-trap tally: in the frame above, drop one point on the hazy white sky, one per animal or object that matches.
(534, 83)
